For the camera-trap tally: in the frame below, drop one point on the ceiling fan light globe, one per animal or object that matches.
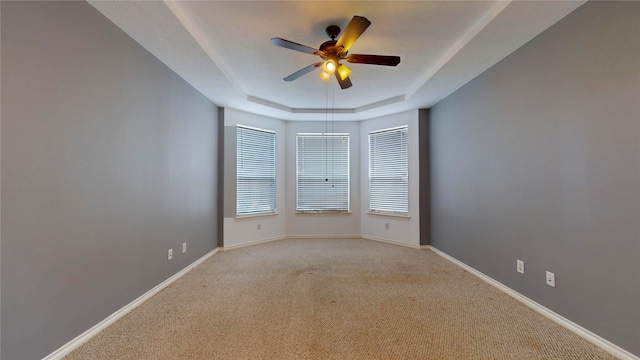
(325, 76)
(343, 71)
(329, 66)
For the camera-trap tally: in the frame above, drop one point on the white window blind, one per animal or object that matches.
(389, 171)
(255, 171)
(322, 173)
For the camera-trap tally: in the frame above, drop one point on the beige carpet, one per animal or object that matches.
(333, 299)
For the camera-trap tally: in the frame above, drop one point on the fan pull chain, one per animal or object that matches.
(326, 130)
(333, 121)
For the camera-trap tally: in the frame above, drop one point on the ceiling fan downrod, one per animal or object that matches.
(333, 31)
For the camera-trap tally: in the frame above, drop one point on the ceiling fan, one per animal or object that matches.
(333, 51)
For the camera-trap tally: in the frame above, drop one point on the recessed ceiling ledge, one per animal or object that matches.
(268, 103)
(200, 36)
(323, 111)
(382, 103)
(277, 106)
(367, 107)
(460, 43)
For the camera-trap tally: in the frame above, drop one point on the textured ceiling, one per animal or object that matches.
(222, 48)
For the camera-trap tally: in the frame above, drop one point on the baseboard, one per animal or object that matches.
(393, 242)
(251, 243)
(85, 336)
(593, 338)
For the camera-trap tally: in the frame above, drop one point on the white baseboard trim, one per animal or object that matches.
(251, 243)
(393, 242)
(85, 336)
(595, 339)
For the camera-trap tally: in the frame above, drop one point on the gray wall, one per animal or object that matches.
(108, 160)
(539, 159)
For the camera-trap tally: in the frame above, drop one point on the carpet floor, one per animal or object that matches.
(333, 299)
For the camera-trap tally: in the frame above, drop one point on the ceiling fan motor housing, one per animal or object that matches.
(329, 47)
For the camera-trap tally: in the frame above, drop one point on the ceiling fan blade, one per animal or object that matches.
(293, 46)
(344, 84)
(302, 71)
(356, 27)
(373, 59)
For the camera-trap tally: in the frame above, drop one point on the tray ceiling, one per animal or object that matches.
(222, 48)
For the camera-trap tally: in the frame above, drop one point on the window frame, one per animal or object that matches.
(346, 195)
(271, 198)
(375, 207)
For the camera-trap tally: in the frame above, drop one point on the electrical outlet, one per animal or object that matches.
(259, 226)
(386, 226)
(520, 266)
(551, 279)
(184, 247)
(170, 254)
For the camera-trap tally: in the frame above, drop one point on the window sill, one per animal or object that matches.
(391, 215)
(255, 216)
(323, 212)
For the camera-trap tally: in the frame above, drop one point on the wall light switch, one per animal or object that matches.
(184, 247)
(170, 254)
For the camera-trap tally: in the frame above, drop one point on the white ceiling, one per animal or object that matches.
(222, 48)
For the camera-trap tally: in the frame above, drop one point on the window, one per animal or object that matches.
(255, 171)
(389, 171)
(322, 173)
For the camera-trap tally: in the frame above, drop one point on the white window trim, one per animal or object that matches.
(256, 215)
(348, 195)
(387, 213)
(395, 215)
(259, 213)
